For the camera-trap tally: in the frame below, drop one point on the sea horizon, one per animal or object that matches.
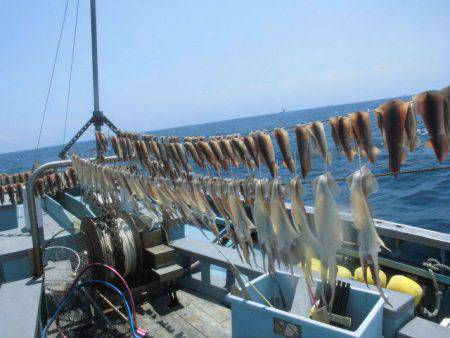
(159, 131)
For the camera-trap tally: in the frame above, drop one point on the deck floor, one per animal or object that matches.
(197, 316)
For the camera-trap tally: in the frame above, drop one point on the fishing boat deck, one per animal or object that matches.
(20, 306)
(201, 311)
(15, 240)
(15, 271)
(196, 316)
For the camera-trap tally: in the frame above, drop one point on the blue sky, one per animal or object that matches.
(171, 63)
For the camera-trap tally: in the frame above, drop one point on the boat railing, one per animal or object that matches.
(399, 238)
(395, 235)
(34, 227)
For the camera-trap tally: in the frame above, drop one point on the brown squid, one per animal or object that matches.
(391, 118)
(303, 138)
(431, 106)
(282, 138)
(363, 136)
(268, 154)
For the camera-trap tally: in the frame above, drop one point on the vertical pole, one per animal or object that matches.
(97, 115)
(94, 56)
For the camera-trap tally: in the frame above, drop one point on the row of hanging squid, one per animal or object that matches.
(14, 191)
(6, 179)
(284, 237)
(12, 186)
(352, 134)
(48, 183)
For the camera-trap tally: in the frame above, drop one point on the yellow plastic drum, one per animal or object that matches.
(406, 285)
(342, 272)
(359, 277)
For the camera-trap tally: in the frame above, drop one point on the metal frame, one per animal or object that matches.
(35, 233)
(95, 119)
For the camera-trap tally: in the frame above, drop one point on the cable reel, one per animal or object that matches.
(114, 242)
(125, 247)
(100, 243)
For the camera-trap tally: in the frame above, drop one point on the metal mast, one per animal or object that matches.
(96, 113)
(97, 119)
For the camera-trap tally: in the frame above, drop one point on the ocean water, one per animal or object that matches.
(420, 199)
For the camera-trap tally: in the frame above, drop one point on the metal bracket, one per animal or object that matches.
(69, 144)
(110, 125)
(286, 329)
(97, 119)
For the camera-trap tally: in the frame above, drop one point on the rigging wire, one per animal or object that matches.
(70, 72)
(50, 85)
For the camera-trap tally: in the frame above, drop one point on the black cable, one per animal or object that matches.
(70, 73)
(51, 83)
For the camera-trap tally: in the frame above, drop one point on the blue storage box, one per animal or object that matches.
(255, 319)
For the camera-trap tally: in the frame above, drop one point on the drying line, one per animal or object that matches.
(291, 127)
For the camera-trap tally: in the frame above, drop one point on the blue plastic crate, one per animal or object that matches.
(256, 319)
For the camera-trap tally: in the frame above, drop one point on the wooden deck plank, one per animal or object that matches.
(213, 308)
(147, 318)
(197, 316)
(201, 321)
(226, 326)
(188, 330)
(180, 323)
(162, 323)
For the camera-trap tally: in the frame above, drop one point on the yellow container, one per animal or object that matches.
(406, 285)
(342, 272)
(358, 275)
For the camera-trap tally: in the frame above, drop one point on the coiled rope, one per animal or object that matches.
(107, 245)
(128, 245)
(434, 266)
